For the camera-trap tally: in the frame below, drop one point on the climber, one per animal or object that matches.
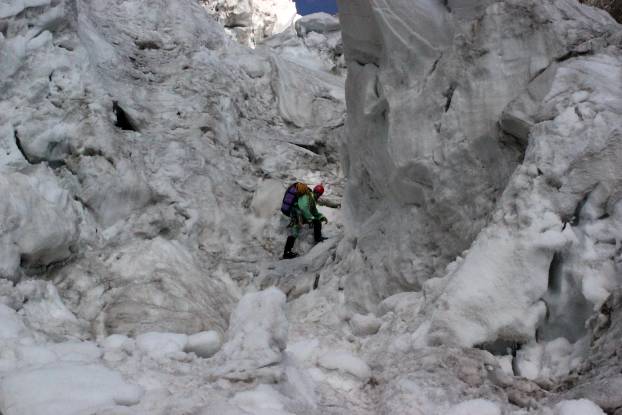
(304, 211)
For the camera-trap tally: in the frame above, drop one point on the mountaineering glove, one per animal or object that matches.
(323, 219)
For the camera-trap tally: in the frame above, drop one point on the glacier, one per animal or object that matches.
(470, 152)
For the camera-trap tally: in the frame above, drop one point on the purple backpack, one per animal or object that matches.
(291, 196)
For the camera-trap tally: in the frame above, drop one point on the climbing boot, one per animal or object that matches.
(287, 252)
(290, 255)
(317, 232)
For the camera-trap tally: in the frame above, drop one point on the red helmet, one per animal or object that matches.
(318, 190)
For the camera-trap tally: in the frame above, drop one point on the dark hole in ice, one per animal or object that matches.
(555, 273)
(123, 120)
(25, 261)
(500, 347)
(567, 308)
(449, 94)
(577, 211)
(317, 148)
(18, 143)
(147, 44)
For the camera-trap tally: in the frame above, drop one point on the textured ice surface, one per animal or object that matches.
(251, 21)
(445, 166)
(144, 154)
(136, 134)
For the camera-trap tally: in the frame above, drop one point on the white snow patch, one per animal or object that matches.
(475, 407)
(345, 362)
(304, 351)
(578, 407)
(11, 325)
(263, 400)
(65, 389)
(115, 341)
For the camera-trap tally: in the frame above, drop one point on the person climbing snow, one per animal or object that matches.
(300, 204)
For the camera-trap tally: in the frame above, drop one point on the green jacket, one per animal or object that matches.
(306, 207)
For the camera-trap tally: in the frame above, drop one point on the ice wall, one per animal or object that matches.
(487, 133)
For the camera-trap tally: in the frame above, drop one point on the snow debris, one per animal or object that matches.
(345, 362)
(160, 345)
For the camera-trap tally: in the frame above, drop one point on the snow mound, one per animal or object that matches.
(256, 338)
(576, 407)
(263, 400)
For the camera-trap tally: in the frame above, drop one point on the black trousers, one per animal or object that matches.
(317, 231)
